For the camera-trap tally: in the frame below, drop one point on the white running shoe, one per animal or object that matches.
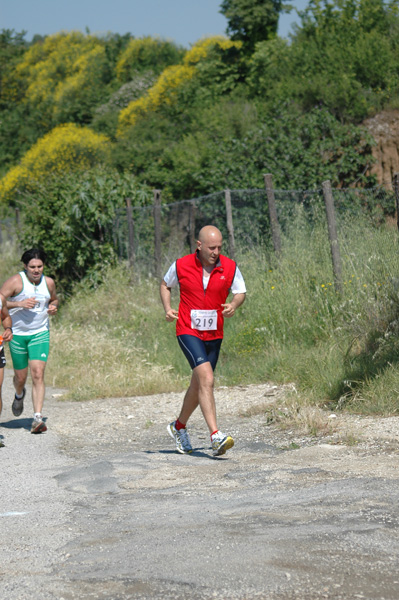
(181, 437)
(220, 443)
(38, 425)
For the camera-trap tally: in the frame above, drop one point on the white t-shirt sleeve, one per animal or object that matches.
(238, 285)
(170, 278)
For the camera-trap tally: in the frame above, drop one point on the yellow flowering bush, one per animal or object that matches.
(162, 92)
(65, 148)
(200, 50)
(64, 66)
(47, 64)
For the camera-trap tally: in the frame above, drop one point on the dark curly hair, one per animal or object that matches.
(33, 253)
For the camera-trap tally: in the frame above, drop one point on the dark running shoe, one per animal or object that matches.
(18, 405)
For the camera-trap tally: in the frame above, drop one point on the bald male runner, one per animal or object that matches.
(206, 278)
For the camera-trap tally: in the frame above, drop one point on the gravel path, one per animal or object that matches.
(101, 506)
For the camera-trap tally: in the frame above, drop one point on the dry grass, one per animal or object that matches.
(85, 362)
(294, 412)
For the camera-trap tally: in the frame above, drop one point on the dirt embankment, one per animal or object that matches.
(384, 127)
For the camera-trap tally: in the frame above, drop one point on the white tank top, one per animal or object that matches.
(27, 321)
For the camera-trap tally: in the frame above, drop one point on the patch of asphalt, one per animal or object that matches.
(102, 507)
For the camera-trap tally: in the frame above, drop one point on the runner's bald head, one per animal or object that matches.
(209, 245)
(209, 233)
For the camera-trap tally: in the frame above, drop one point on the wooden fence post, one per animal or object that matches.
(273, 213)
(332, 234)
(116, 235)
(191, 233)
(230, 226)
(396, 190)
(130, 224)
(157, 228)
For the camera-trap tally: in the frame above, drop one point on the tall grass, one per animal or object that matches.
(10, 260)
(340, 350)
(335, 347)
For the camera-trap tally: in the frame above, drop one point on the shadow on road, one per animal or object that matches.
(19, 424)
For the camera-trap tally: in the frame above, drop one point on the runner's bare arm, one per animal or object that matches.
(12, 287)
(170, 313)
(54, 302)
(6, 320)
(231, 307)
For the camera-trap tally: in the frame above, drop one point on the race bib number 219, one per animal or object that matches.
(204, 320)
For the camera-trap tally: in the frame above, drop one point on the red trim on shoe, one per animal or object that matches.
(41, 427)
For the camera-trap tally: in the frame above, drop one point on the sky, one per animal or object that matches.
(183, 21)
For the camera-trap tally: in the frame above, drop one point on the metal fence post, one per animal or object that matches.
(332, 234)
(273, 213)
(229, 222)
(157, 229)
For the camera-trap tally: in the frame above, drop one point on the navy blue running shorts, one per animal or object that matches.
(197, 351)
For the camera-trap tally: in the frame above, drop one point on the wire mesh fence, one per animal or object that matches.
(181, 221)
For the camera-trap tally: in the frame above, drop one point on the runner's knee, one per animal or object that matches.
(20, 376)
(37, 373)
(205, 377)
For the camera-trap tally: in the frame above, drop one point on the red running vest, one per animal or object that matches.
(194, 296)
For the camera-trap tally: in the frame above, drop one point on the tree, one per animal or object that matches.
(232, 143)
(206, 58)
(12, 45)
(344, 56)
(252, 21)
(146, 54)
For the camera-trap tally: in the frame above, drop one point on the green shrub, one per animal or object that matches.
(72, 218)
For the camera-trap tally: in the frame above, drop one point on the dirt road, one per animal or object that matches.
(102, 507)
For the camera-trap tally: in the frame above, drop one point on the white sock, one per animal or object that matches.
(37, 416)
(19, 396)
